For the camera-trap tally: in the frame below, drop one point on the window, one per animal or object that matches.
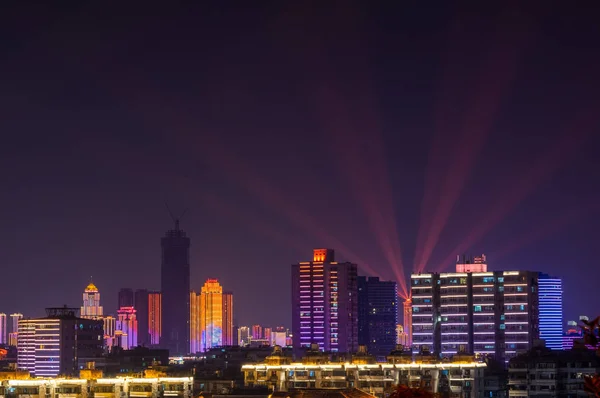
(501, 279)
(477, 308)
(502, 326)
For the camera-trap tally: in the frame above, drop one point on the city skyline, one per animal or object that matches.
(399, 135)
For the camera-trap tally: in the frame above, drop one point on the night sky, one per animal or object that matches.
(398, 136)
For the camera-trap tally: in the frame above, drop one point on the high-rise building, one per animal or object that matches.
(195, 331)
(278, 338)
(110, 328)
(257, 332)
(211, 315)
(407, 321)
(154, 317)
(551, 311)
(471, 263)
(377, 315)
(175, 290)
(228, 337)
(324, 304)
(244, 336)
(3, 331)
(267, 334)
(14, 328)
(91, 308)
(59, 344)
(126, 298)
(140, 303)
(488, 313)
(128, 325)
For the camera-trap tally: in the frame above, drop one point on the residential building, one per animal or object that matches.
(244, 336)
(154, 317)
(128, 326)
(485, 313)
(324, 304)
(228, 335)
(3, 331)
(377, 315)
(551, 311)
(140, 303)
(59, 343)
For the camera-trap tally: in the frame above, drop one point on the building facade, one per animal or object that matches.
(140, 303)
(3, 330)
(175, 290)
(13, 331)
(59, 343)
(486, 313)
(125, 297)
(377, 315)
(228, 335)
(324, 304)
(154, 317)
(91, 308)
(127, 324)
(211, 315)
(551, 311)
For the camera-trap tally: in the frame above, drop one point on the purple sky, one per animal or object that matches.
(287, 127)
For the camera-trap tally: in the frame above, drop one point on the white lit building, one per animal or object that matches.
(91, 308)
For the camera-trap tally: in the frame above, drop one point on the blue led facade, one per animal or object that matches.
(551, 311)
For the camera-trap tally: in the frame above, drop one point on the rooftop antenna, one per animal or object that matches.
(175, 219)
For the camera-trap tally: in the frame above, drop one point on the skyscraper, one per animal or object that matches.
(3, 331)
(14, 328)
(211, 315)
(488, 313)
(324, 304)
(257, 332)
(128, 325)
(244, 336)
(125, 298)
(175, 290)
(140, 302)
(228, 335)
(91, 308)
(377, 315)
(551, 311)
(154, 317)
(195, 331)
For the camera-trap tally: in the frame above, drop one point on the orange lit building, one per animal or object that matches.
(408, 327)
(195, 332)
(154, 317)
(211, 315)
(228, 337)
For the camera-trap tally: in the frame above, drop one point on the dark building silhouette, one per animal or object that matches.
(377, 315)
(125, 298)
(140, 302)
(175, 289)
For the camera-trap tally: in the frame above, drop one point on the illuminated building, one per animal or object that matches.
(91, 308)
(278, 338)
(471, 264)
(87, 387)
(401, 337)
(154, 317)
(110, 327)
(463, 377)
(175, 290)
(128, 325)
(195, 331)
(228, 337)
(211, 315)
(257, 332)
(324, 304)
(551, 311)
(267, 334)
(377, 315)
(3, 331)
(244, 336)
(125, 298)
(59, 343)
(140, 303)
(14, 328)
(486, 313)
(407, 319)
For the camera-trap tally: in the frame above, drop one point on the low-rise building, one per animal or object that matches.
(542, 372)
(461, 375)
(157, 387)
